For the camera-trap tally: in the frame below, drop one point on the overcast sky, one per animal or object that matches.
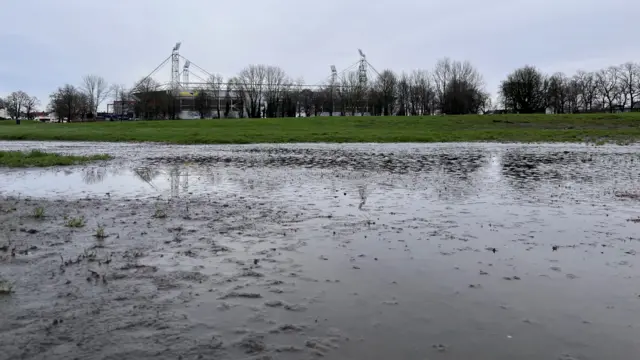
(47, 43)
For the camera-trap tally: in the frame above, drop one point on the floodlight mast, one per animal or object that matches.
(334, 78)
(185, 75)
(175, 67)
(362, 69)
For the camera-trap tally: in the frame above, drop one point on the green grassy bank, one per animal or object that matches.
(621, 128)
(36, 158)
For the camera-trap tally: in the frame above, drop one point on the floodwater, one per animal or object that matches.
(465, 251)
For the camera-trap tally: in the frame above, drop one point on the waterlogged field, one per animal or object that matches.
(462, 251)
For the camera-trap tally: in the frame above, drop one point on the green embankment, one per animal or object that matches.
(620, 128)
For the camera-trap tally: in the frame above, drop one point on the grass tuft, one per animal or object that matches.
(100, 234)
(39, 212)
(38, 158)
(75, 222)
(6, 287)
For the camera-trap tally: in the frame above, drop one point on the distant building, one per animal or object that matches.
(44, 116)
(124, 107)
(4, 114)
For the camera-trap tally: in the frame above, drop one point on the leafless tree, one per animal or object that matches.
(556, 98)
(524, 90)
(250, 83)
(121, 97)
(203, 102)
(68, 102)
(275, 80)
(352, 93)
(464, 92)
(214, 85)
(146, 92)
(422, 93)
(442, 77)
(607, 85)
(30, 104)
(97, 90)
(587, 89)
(385, 88)
(629, 80)
(403, 92)
(15, 103)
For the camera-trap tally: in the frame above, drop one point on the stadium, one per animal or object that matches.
(191, 94)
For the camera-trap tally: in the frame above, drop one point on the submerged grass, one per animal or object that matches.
(74, 222)
(37, 158)
(593, 128)
(38, 212)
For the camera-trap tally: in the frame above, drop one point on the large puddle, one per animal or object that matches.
(466, 251)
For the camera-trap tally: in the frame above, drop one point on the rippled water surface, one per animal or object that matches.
(465, 251)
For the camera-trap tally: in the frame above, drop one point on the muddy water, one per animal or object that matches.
(335, 251)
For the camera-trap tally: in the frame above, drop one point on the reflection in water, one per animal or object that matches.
(362, 192)
(147, 174)
(94, 175)
(441, 174)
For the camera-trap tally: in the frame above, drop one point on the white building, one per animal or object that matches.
(4, 114)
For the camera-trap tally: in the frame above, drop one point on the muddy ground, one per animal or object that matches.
(323, 251)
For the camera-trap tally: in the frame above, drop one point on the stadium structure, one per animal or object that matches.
(187, 80)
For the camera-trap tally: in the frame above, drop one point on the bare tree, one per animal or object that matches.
(274, 83)
(403, 94)
(203, 102)
(556, 98)
(15, 103)
(121, 99)
(97, 90)
(442, 77)
(607, 85)
(214, 85)
(423, 93)
(250, 83)
(147, 93)
(573, 96)
(524, 91)
(68, 102)
(464, 92)
(629, 80)
(385, 87)
(30, 104)
(586, 88)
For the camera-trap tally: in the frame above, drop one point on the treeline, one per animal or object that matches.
(451, 87)
(69, 101)
(528, 90)
(257, 91)
(20, 105)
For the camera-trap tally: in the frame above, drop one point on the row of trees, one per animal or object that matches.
(453, 87)
(68, 101)
(80, 102)
(20, 105)
(528, 90)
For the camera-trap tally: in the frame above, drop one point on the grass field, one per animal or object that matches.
(36, 158)
(597, 128)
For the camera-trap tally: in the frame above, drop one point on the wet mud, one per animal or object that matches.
(323, 251)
